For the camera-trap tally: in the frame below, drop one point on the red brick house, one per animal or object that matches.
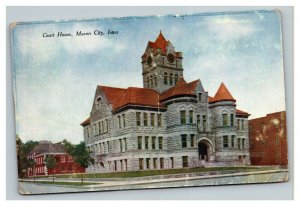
(268, 140)
(64, 161)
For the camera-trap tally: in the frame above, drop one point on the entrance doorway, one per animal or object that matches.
(202, 151)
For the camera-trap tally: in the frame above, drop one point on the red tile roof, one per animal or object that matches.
(222, 94)
(181, 88)
(86, 122)
(112, 93)
(241, 113)
(160, 43)
(138, 96)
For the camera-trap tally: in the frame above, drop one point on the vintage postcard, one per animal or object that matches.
(149, 102)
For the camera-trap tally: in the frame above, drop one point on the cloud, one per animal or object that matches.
(228, 28)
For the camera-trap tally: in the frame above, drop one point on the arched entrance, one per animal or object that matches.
(202, 151)
(205, 150)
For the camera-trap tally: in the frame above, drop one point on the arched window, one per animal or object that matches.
(176, 78)
(225, 118)
(182, 117)
(151, 81)
(155, 80)
(171, 79)
(98, 102)
(165, 78)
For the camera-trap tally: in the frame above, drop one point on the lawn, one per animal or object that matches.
(142, 173)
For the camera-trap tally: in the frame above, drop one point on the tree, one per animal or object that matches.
(22, 155)
(80, 154)
(68, 145)
(50, 162)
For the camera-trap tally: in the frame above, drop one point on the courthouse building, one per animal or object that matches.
(168, 123)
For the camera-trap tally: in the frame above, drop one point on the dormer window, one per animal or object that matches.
(98, 102)
(199, 97)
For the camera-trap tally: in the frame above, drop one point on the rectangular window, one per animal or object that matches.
(138, 119)
(155, 163)
(239, 143)
(146, 142)
(243, 124)
(243, 143)
(191, 113)
(106, 122)
(125, 144)
(108, 148)
(121, 146)
(225, 119)
(139, 142)
(198, 120)
(153, 142)
(185, 162)
(204, 122)
(192, 140)
(231, 120)
(70, 159)
(148, 163)
(124, 120)
(99, 127)
(159, 120)
(161, 161)
(125, 164)
(119, 120)
(141, 163)
(238, 124)
(145, 119)
(225, 141)
(172, 162)
(121, 162)
(160, 143)
(115, 165)
(152, 119)
(183, 141)
(182, 117)
(232, 140)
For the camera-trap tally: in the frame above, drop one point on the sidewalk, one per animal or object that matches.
(176, 180)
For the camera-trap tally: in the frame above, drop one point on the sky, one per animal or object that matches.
(55, 78)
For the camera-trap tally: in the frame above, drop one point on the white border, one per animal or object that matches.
(4, 3)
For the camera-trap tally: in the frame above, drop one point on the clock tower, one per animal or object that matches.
(162, 65)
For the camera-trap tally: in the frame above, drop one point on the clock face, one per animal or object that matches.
(170, 58)
(149, 60)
